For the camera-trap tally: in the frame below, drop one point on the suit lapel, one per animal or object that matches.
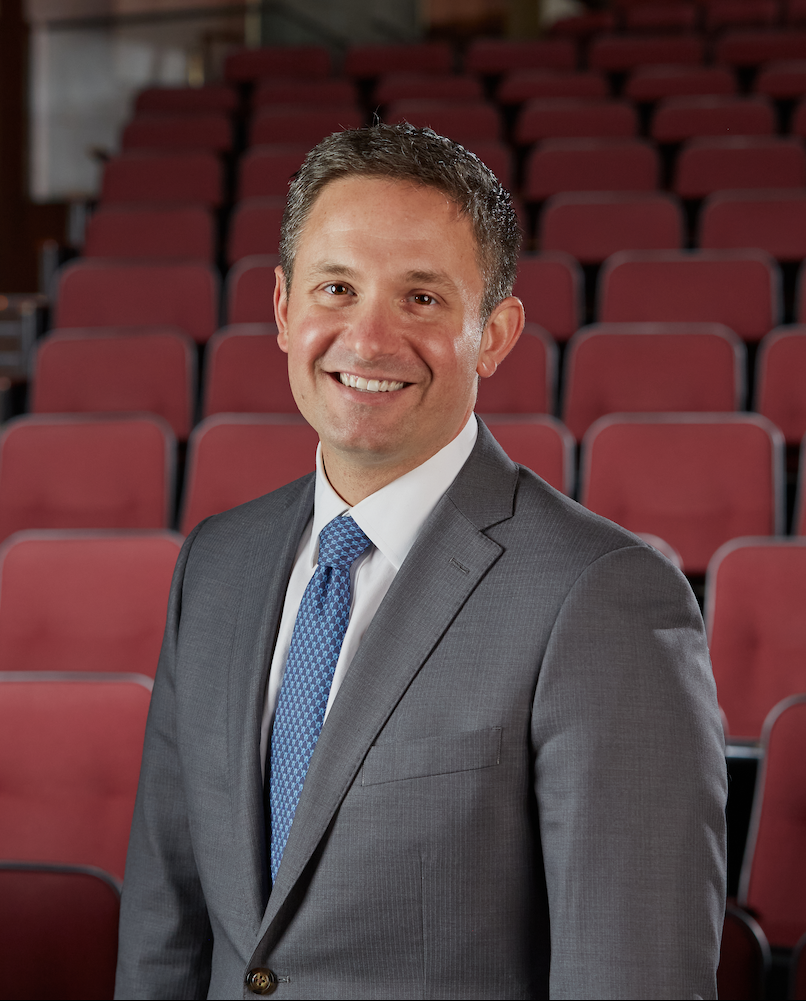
(273, 547)
(443, 568)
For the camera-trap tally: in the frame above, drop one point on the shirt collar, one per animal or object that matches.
(393, 516)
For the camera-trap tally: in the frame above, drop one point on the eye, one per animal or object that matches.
(336, 288)
(424, 299)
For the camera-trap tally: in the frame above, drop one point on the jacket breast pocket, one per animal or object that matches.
(412, 759)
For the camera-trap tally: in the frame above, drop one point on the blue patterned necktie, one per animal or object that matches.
(312, 656)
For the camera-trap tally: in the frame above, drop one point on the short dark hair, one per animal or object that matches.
(421, 156)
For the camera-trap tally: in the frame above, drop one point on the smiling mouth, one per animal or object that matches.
(369, 385)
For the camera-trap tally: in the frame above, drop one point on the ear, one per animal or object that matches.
(500, 335)
(281, 308)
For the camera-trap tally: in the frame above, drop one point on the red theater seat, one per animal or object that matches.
(186, 100)
(170, 177)
(650, 83)
(304, 61)
(250, 289)
(292, 90)
(566, 117)
(254, 228)
(375, 60)
(211, 132)
(98, 293)
(592, 225)
(696, 480)
(550, 287)
(83, 471)
(152, 232)
(650, 368)
(744, 957)
(266, 171)
(659, 16)
(755, 593)
(234, 458)
(540, 443)
(619, 53)
(461, 121)
(739, 288)
(70, 749)
(773, 220)
(782, 79)
(780, 386)
(246, 372)
(420, 86)
(524, 382)
(752, 46)
(302, 124)
(521, 85)
(558, 165)
(679, 118)
(733, 13)
(85, 601)
(721, 162)
(491, 56)
(117, 371)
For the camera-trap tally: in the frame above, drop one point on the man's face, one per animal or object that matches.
(382, 326)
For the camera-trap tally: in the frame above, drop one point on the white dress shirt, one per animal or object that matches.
(391, 518)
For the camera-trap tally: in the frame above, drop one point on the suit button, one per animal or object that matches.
(261, 981)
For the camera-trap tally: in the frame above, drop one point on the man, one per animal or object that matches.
(518, 789)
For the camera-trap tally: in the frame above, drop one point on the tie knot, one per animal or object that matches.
(341, 542)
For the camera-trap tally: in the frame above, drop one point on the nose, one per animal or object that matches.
(374, 330)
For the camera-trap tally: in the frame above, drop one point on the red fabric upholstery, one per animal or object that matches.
(85, 472)
(696, 480)
(235, 458)
(266, 171)
(521, 85)
(180, 177)
(177, 100)
(659, 16)
(420, 86)
(773, 219)
(524, 382)
(540, 443)
(461, 121)
(736, 287)
(420, 57)
(85, 601)
(246, 372)
(773, 880)
(780, 388)
(782, 79)
(293, 123)
(559, 165)
(254, 227)
(650, 83)
(755, 593)
(304, 61)
(718, 163)
(651, 368)
(292, 90)
(567, 117)
(200, 131)
(550, 287)
(72, 908)
(753, 46)
(97, 293)
(116, 371)
(591, 226)
(687, 116)
(617, 53)
(744, 957)
(156, 232)
(250, 289)
(730, 13)
(497, 55)
(69, 763)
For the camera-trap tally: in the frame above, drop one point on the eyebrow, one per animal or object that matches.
(333, 269)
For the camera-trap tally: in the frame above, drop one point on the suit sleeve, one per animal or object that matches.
(631, 786)
(165, 940)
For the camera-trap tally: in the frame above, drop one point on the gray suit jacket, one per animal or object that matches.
(518, 792)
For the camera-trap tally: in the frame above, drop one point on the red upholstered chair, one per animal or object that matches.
(755, 593)
(305, 124)
(690, 115)
(619, 53)
(550, 287)
(497, 156)
(754, 46)
(210, 131)
(363, 61)
(308, 62)
(85, 601)
(246, 372)
(651, 368)
(181, 177)
(250, 289)
(652, 82)
(568, 117)
(75, 910)
(524, 382)
(254, 227)
(212, 98)
(721, 162)
(773, 880)
(584, 26)
(99, 293)
(116, 371)
(739, 288)
(540, 443)
(734, 13)
(522, 84)
(782, 79)
(234, 458)
(491, 56)
(592, 225)
(266, 171)
(780, 387)
(462, 121)
(418, 86)
(744, 957)
(152, 232)
(293, 90)
(83, 471)
(798, 124)
(70, 748)
(558, 165)
(674, 16)
(696, 480)
(772, 219)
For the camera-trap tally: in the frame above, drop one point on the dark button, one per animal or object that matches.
(261, 981)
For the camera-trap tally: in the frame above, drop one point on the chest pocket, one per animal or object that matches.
(412, 759)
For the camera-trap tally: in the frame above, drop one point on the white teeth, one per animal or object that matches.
(369, 385)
